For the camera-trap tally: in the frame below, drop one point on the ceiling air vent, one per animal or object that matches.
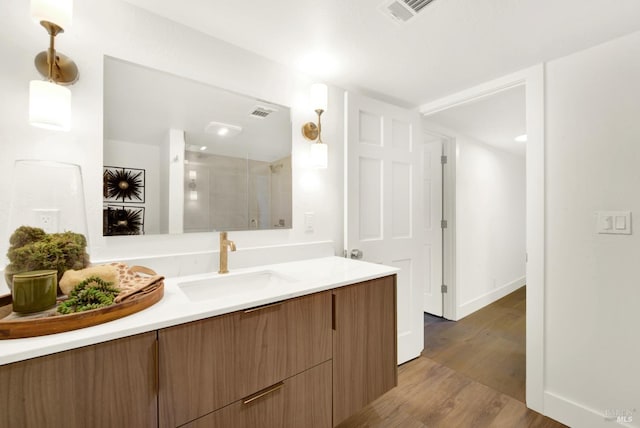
(260, 112)
(402, 11)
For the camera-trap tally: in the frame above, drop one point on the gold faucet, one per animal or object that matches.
(225, 245)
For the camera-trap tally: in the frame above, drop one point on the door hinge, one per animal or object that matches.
(443, 159)
(443, 224)
(443, 288)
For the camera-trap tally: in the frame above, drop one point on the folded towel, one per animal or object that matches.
(136, 281)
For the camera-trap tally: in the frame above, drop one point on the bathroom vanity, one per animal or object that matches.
(310, 345)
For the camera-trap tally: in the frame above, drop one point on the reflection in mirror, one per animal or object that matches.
(183, 156)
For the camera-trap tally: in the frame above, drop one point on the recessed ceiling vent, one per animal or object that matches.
(260, 112)
(402, 11)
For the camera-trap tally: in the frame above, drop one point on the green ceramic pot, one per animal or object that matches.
(34, 291)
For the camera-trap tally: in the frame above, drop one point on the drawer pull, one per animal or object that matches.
(156, 365)
(259, 308)
(333, 311)
(262, 393)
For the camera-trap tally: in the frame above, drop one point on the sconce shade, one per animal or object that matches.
(193, 195)
(59, 12)
(49, 105)
(193, 175)
(319, 155)
(319, 96)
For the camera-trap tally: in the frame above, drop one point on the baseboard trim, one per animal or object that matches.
(480, 302)
(576, 415)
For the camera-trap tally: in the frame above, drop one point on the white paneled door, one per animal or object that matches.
(432, 231)
(384, 204)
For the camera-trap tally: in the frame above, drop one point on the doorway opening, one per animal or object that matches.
(482, 239)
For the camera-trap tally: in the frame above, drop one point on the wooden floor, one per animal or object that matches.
(432, 395)
(495, 338)
(471, 374)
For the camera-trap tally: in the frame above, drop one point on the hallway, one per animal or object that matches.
(494, 336)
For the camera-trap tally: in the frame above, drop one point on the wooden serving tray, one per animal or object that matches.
(13, 326)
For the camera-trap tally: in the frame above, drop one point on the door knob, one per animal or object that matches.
(356, 254)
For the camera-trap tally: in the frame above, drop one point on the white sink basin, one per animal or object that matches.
(233, 284)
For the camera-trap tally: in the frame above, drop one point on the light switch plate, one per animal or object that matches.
(308, 221)
(614, 222)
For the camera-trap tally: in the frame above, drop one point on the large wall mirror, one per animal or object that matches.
(183, 156)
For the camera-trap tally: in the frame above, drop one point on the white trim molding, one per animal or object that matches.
(469, 307)
(577, 415)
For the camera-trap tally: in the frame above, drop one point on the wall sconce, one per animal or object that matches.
(193, 193)
(313, 132)
(49, 99)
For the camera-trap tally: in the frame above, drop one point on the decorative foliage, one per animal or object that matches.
(34, 249)
(123, 221)
(92, 293)
(123, 184)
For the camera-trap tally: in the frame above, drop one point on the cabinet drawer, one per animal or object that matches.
(208, 364)
(111, 384)
(303, 400)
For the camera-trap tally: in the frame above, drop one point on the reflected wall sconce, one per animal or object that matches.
(313, 132)
(193, 193)
(50, 99)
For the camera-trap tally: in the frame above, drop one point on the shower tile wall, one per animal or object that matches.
(231, 199)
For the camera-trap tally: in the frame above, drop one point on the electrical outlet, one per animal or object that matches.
(47, 219)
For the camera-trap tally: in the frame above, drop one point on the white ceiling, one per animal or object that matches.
(495, 120)
(141, 105)
(449, 46)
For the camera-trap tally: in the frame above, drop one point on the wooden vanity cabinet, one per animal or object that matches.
(111, 384)
(303, 400)
(208, 364)
(311, 361)
(364, 344)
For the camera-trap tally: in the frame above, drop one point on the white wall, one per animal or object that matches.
(118, 29)
(489, 224)
(592, 349)
(163, 166)
(143, 156)
(175, 189)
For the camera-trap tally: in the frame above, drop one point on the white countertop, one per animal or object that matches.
(306, 277)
